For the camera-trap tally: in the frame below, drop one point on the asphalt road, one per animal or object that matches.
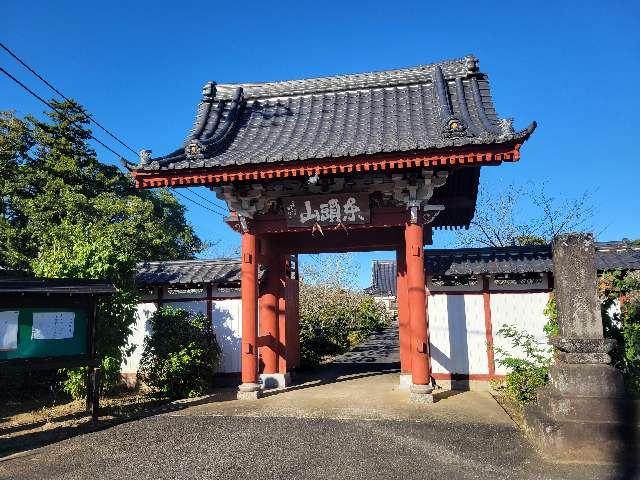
(206, 447)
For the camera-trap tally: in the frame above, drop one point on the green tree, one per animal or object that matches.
(63, 213)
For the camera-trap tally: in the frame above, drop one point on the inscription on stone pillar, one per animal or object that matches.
(576, 286)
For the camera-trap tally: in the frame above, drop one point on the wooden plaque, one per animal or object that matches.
(331, 209)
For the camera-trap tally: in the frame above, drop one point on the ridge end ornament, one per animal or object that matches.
(194, 149)
(145, 156)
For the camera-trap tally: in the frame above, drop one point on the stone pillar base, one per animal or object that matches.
(562, 439)
(275, 380)
(249, 391)
(583, 415)
(421, 394)
(405, 381)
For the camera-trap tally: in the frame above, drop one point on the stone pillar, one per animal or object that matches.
(249, 389)
(420, 390)
(582, 414)
(404, 325)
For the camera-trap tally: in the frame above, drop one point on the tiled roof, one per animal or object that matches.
(446, 104)
(519, 259)
(222, 271)
(383, 276)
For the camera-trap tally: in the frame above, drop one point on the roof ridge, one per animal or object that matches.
(193, 260)
(452, 68)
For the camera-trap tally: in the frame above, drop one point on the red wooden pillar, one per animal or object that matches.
(404, 321)
(249, 295)
(417, 299)
(268, 323)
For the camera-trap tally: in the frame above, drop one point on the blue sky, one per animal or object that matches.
(139, 67)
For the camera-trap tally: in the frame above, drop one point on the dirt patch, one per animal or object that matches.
(32, 424)
(513, 409)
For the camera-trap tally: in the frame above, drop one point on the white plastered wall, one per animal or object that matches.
(523, 310)
(457, 333)
(227, 324)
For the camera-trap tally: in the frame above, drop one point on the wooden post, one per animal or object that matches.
(417, 298)
(249, 295)
(91, 348)
(488, 326)
(404, 321)
(95, 393)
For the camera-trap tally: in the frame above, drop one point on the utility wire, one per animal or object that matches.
(174, 190)
(87, 116)
(204, 198)
(48, 104)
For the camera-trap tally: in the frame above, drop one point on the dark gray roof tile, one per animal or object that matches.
(519, 259)
(347, 115)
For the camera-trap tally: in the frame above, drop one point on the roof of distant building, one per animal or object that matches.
(620, 255)
(435, 106)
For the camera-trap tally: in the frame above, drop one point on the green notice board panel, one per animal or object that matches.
(58, 332)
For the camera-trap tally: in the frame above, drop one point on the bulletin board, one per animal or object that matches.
(31, 333)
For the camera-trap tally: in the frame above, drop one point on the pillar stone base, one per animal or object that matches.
(421, 394)
(568, 440)
(275, 380)
(249, 391)
(583, 413)
(405, 381)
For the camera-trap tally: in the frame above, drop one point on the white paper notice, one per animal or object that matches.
(52, 325)
(8, 330)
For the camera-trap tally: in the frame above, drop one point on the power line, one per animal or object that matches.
(87, 116)
(203, 198)
(197, 203)
(48, 104)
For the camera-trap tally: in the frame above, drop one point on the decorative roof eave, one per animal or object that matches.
(491, 154)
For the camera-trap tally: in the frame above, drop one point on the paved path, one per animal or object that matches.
(347, 421)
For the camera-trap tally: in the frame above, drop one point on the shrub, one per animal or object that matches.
(181, 355)
(75, 379)
(528, 371)
(333, 319)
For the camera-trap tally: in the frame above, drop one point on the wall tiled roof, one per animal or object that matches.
(222, 271)
(446, 104)
(517, 259)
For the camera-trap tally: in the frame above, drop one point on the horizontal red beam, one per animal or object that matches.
(488, 154)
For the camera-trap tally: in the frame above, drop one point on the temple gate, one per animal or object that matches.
(371, 161)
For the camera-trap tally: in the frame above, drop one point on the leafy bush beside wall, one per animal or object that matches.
(181, 355)
(529, 371)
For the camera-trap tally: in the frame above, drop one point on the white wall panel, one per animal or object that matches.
(457, 333)
(525, 311)
(139, 331)
(227, 325)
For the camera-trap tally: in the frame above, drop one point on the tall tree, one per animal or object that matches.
(524, 215)
(63, 213)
